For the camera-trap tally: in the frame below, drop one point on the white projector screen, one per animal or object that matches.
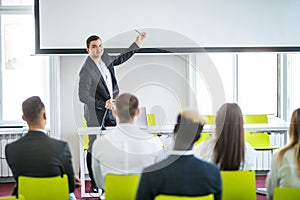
(62, 26)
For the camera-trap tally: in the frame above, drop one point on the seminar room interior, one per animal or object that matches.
(197, 54)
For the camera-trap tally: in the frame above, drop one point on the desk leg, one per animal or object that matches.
(82, 170)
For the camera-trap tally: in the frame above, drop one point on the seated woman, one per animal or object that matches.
(285, 167)
(227, 148)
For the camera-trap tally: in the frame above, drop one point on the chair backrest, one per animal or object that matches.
(257, 138)
(20, 197)
(286, 193)
(86, 136)
(256, 119)
(121, 187)
(210, 119)
(37, 188)
(172, 197)
(204, 136)
(238, 185)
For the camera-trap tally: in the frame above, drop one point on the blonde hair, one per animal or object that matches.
(294, 133)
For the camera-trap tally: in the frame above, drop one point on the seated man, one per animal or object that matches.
(125, 149)
(181, 173)
(36, 154)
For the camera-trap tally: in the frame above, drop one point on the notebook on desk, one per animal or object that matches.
(261, 191)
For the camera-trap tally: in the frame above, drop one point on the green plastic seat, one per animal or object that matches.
(256, 119)
(260, 141)
(237, 185)
(46, 188)
(172, 197)
(12, 198)
(286, 193)
(121, 187)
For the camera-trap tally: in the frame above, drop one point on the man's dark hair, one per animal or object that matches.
(32, 108)
(126, 105)
(91, 38)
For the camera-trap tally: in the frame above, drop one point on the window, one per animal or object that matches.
(218, 80)
(294, 82)
(17, 2)
(257, 83)
(22, 74)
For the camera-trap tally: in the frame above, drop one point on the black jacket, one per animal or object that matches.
(38, 155)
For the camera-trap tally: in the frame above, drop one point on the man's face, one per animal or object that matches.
(95, 49)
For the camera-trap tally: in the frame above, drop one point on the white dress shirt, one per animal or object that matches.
(283, 175)
(106, 76)
(205, 151)
(125, 150)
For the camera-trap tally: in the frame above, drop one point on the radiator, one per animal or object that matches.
(7, 136)
(263, 158)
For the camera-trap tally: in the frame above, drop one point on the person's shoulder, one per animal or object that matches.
(159, 166)
(207, 143)
(58, 142)
(208, 165)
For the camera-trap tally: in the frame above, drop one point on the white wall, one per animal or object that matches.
(70, 66)
(159, 81)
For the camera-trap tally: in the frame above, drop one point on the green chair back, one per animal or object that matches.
(171, 197)
(256, 119)
(46, 188)
(258, 140)
(12, 198)
(204, 136)
(85, 136)
(286, 193)
(210, 119)
(121, 187)
(238, 185)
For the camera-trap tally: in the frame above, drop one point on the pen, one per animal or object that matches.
(138, 31)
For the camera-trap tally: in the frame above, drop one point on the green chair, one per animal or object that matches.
(12, 198)
(237, 185)
(286, 193)
(121, 187)
(260, 141)
(171, 197)
(46, 188)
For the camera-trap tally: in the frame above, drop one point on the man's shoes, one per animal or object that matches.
(94, 189)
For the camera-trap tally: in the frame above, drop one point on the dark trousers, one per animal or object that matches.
(89, 166)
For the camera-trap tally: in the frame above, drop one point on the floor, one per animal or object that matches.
(7, 188)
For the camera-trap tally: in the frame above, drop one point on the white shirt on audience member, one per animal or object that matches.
(124, 150)
(205, 151)
(284, 175)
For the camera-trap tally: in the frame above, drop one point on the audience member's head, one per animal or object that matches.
(126, 108)
(229, 150)
(34, 112)
(294, 133)
(188, 129)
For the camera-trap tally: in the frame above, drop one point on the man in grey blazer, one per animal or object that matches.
(36, 154)
(98, 87)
